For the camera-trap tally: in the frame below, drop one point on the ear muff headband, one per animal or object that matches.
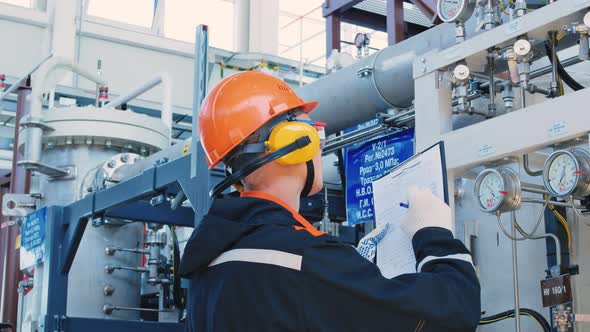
(299, 143)
(286, 132)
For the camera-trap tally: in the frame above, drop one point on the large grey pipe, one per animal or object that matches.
(348, 98)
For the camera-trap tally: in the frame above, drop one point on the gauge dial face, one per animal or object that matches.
(491, 191)
(450, 9)
(563, 174)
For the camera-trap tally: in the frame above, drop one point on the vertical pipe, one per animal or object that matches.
(99, 73)
(522, 97)
(583, 53)
(20, 180)
(301, 63)
(515, 274)
(200, 86)
(242, 26)
(554, 73)
(492, 86)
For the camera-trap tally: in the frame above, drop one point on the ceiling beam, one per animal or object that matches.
(338, 6)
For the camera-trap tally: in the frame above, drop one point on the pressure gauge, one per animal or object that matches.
(497, 190)
(361, 40)
(567, 173)
(455, 10)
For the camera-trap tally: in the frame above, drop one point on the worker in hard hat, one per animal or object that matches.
(256, 264)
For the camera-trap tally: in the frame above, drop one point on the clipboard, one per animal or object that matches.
(395, 253)
(441, 146)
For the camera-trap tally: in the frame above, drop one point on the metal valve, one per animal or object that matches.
(461, 75)
(583, 29)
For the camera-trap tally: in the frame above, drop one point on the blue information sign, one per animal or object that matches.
(33, 238)
(368, 161)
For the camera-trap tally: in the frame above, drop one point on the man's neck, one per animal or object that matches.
(283, 193)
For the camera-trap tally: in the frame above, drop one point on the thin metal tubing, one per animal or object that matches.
(546, 70)
(515, 276)
(583, 219)
(161, 78)
(534, 74)
(16, 84)
(554, 73)
(392, 118)
(562, 204)
(525, 162)
(139, 309)
(514, 238)
(492, 105)
(534, 190)
(354, 137)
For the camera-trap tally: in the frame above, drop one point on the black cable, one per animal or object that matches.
(567, 79)
(176, 290)
(510, 314)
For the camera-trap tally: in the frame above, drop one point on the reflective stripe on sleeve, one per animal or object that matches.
(262, 256)
(463, 257)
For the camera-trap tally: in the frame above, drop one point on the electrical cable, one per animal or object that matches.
(176, 290)
(570, 81)
(502, 8)
(523, 312)
(563, 222)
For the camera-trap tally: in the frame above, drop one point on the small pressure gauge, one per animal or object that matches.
(567, 173)
(361, 40)
(497, 190)
(455, 10)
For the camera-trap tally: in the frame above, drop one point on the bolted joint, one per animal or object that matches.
(108, 290)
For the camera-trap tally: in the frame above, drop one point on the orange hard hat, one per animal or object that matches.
(240, 105)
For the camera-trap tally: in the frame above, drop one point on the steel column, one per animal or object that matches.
(396, 27)
(333, 23)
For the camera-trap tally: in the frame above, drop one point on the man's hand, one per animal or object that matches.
(425, 211)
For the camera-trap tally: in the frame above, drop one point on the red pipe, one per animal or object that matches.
(20, 182)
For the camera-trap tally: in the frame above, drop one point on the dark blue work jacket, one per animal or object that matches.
(255, 265)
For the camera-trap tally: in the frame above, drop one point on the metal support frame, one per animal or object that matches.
(337, 11)
(480, 143)
(396, 30)
(333, 24)
(126, 200)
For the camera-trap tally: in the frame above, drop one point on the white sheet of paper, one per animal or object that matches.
(395, 254)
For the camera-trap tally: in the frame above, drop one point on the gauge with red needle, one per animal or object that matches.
(497, 190)
(455, 10)
(566, 172)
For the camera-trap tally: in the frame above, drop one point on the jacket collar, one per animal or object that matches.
(303, 223)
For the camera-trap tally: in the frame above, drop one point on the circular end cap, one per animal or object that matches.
(522, 47)
(461, 72)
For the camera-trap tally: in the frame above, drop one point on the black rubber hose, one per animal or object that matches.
(176, 288)
(510, 313)
(567, 79)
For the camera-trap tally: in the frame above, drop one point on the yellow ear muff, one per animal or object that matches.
(286, 133)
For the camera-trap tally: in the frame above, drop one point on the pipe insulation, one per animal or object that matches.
(374, 84)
